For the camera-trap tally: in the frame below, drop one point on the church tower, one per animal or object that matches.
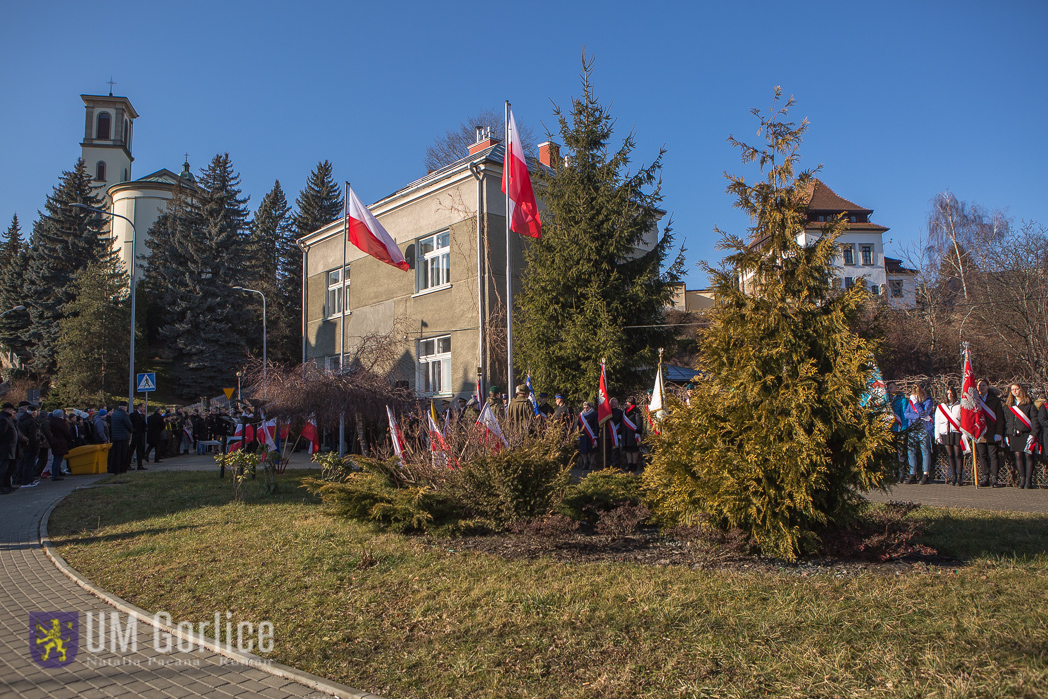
(108, 133)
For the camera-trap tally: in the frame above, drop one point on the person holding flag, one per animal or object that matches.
(986, 446)
(1023, 431)
(632, 433)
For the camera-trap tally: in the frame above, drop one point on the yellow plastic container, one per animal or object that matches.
(88, 459)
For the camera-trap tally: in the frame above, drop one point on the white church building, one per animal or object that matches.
(109, 129)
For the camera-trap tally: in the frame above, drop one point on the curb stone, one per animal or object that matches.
(315, 682)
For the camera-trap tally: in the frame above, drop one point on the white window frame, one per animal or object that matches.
(434, 366)
(335, 292)
(845, 250)
(332, 365)
(433, 267)
(848, 282)
(863, 249)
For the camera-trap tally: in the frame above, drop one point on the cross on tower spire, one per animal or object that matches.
(110, 83)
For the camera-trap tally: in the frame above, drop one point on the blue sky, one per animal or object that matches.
(905, 99)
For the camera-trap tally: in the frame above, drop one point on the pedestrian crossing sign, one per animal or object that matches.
(146, 382)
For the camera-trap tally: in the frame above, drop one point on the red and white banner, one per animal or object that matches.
(366, 233)
(237, 440)
(437, 444)
(491, 426)
(395, 434)
(269, 433)
(516, 182)
(310, 433)
(603, 403)
(973, 421)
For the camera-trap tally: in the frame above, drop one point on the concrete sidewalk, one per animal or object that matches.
(939, 495)
(32, 583)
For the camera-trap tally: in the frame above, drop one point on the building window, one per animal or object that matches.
(848, 281)
(434, 365)
(867, 254)
(875, 289)
(896, 287)
(822, 219)
(332, 364)
(100, 171)
(849, 255)
(852, 219)
(434, 261)
(102, 132)
(337, 293)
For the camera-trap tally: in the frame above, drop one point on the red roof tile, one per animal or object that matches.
(825, 199)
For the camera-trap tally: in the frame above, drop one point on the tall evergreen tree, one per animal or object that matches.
(14, 255)
(93, 340)
(65, 240)
(272, 251)
(589, 292)
(775, 440)
(198, 253)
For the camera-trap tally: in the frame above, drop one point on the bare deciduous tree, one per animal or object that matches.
(955, 228)
(455, 143)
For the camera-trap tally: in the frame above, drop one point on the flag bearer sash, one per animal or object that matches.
(955, 427)
(588, 429)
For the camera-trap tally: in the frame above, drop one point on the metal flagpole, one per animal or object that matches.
(509, 270)
(342, 324)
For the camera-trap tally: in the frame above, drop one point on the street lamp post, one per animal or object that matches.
(256, 291)
(131, 356)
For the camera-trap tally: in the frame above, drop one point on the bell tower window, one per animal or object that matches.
(125, 131)
(104, 122)
(100, 171)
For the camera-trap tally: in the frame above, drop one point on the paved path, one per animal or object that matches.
(940, 495)
(30, 582)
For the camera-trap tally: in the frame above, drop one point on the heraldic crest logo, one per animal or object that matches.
(54, 637)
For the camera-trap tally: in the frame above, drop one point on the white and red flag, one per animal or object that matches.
(394, 432)
(491, 427)
(365, 232)
(310, 432)
(973, 421)
(269, 432)
(437, 443)
(603, 402)
(516, 183)
(237, 440)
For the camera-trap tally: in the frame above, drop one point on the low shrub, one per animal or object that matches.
(622, 520)
(545, 527)
(370, 495)
(600, 492)
(880, 534)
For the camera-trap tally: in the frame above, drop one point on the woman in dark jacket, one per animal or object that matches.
(60, 439)
(1022, 427)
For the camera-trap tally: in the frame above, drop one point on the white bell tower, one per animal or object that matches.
(108, 134)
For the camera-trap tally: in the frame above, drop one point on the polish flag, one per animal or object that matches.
(491, 427)
(603, 403)
(237, 440)
(973, 422)
(310, 432)
(398, 438)
(365, 232)
(269, 430)
(523, 209)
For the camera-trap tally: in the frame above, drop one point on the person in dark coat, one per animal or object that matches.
(8, 446)
(138, 434)
(986, 446)
(120, 432)
(632, 433)
(60, 438)
(1023, 430)
(520, 411)
(563, 411)
(587, 439)
(28, 427)
(154, 433)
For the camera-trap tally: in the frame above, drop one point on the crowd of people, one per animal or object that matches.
(34, 443)
(1016, 432)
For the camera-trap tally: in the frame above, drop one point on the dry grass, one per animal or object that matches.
(386, 613)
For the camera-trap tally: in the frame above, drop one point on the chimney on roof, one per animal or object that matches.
(549, 153)
(484, 140)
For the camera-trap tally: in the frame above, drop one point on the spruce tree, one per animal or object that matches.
(198, 253)
(589, 292)
(13, 324)
(93, 339)
(273, 254)
(775, 441)
(65, 240)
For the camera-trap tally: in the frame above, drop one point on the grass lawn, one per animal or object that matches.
(388, 614)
